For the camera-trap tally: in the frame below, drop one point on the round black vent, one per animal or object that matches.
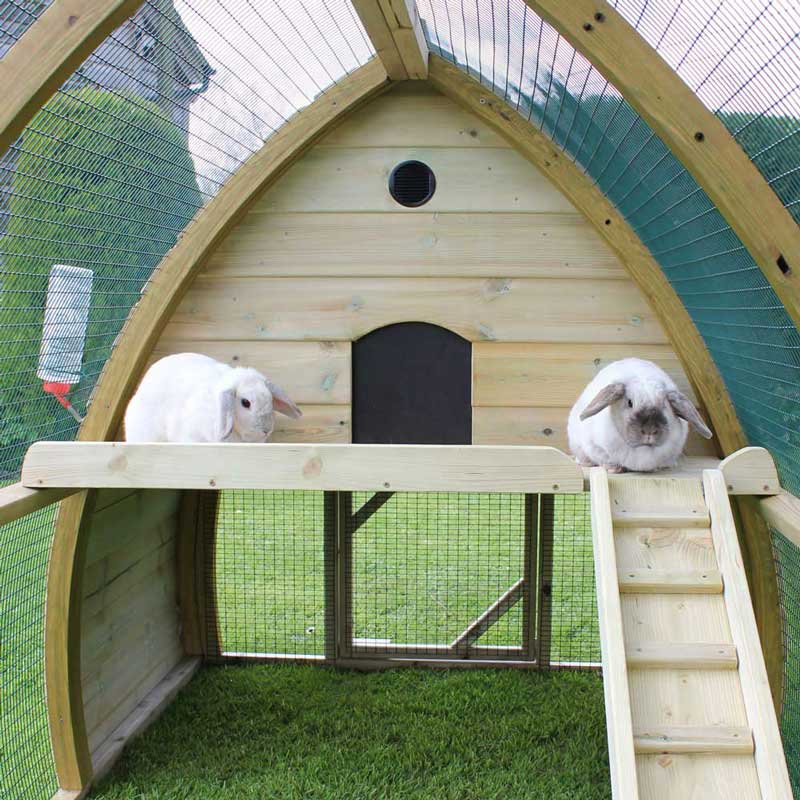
(412, 183)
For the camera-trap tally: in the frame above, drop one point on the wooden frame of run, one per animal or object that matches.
(48, 53)
(395, 29)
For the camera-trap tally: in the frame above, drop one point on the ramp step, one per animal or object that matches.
(660, 519)
(661, 581)
(666, 655)
(689, 739)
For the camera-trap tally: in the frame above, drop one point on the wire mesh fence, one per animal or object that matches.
(425, 576)
(568, 582)
(787, 561)
(27, 771)
(266, 568)
(427, 570)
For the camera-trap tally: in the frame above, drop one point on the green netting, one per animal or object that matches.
(751, 338)
(742, 60)
(27, 771)
(787, 559)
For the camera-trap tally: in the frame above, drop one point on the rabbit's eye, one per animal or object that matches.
(245, 402)
(630, 403)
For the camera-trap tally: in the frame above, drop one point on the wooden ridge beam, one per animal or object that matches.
(395, 29)
(692, 132)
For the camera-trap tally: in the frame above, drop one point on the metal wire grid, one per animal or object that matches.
(424, 567)
(787, 561)
(27, 771)
(109, 173)
(267, 572)
(313, 575)
(745, 327)
(743, 62)
(570, 633)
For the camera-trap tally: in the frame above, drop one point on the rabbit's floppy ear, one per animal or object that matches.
(683, 407)
(605, 397)
(281, 401)
(223, 419)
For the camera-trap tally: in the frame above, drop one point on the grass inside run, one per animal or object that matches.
(289, 732)
(424, 566)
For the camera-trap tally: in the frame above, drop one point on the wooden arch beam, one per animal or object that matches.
(395, 29)
(680, 329)
(60, 40)
(696, 136)
(120, 376)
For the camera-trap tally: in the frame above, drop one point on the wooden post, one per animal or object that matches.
(530, 568)
(62, 642)
(191, 571)
(344, 575)
(755, 541)
(207, 569)
(331, 570)
(545, 570)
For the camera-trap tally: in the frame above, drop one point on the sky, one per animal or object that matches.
(272, 58)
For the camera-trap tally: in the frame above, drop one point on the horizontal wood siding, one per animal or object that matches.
(495, 309)
(499, 256)
(130, 636)
(395, 244)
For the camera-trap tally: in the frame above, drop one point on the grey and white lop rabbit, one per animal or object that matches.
(632, 416)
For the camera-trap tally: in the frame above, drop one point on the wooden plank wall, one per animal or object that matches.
(498, 255)
(130, 623)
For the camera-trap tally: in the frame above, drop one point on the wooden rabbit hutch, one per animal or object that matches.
(433, 283)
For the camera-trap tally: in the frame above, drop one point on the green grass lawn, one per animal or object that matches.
(26, 763)
(288, 732)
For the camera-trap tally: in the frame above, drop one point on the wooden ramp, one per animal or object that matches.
(688, 706)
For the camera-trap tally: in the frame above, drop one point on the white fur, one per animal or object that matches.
(193, 398)
(598, 440)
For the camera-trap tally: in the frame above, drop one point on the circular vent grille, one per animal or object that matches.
(412, 183)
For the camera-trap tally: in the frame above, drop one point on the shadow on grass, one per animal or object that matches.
(290, 732)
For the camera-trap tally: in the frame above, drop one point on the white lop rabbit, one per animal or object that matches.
(631, 416)
(193, 398)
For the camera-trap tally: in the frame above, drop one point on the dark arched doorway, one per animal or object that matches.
(412, 385)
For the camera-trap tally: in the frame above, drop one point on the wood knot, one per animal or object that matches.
(118, 463)
(313, 467)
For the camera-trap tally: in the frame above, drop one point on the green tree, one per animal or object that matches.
(102, 182)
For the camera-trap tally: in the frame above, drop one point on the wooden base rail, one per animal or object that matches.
(782, 512)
